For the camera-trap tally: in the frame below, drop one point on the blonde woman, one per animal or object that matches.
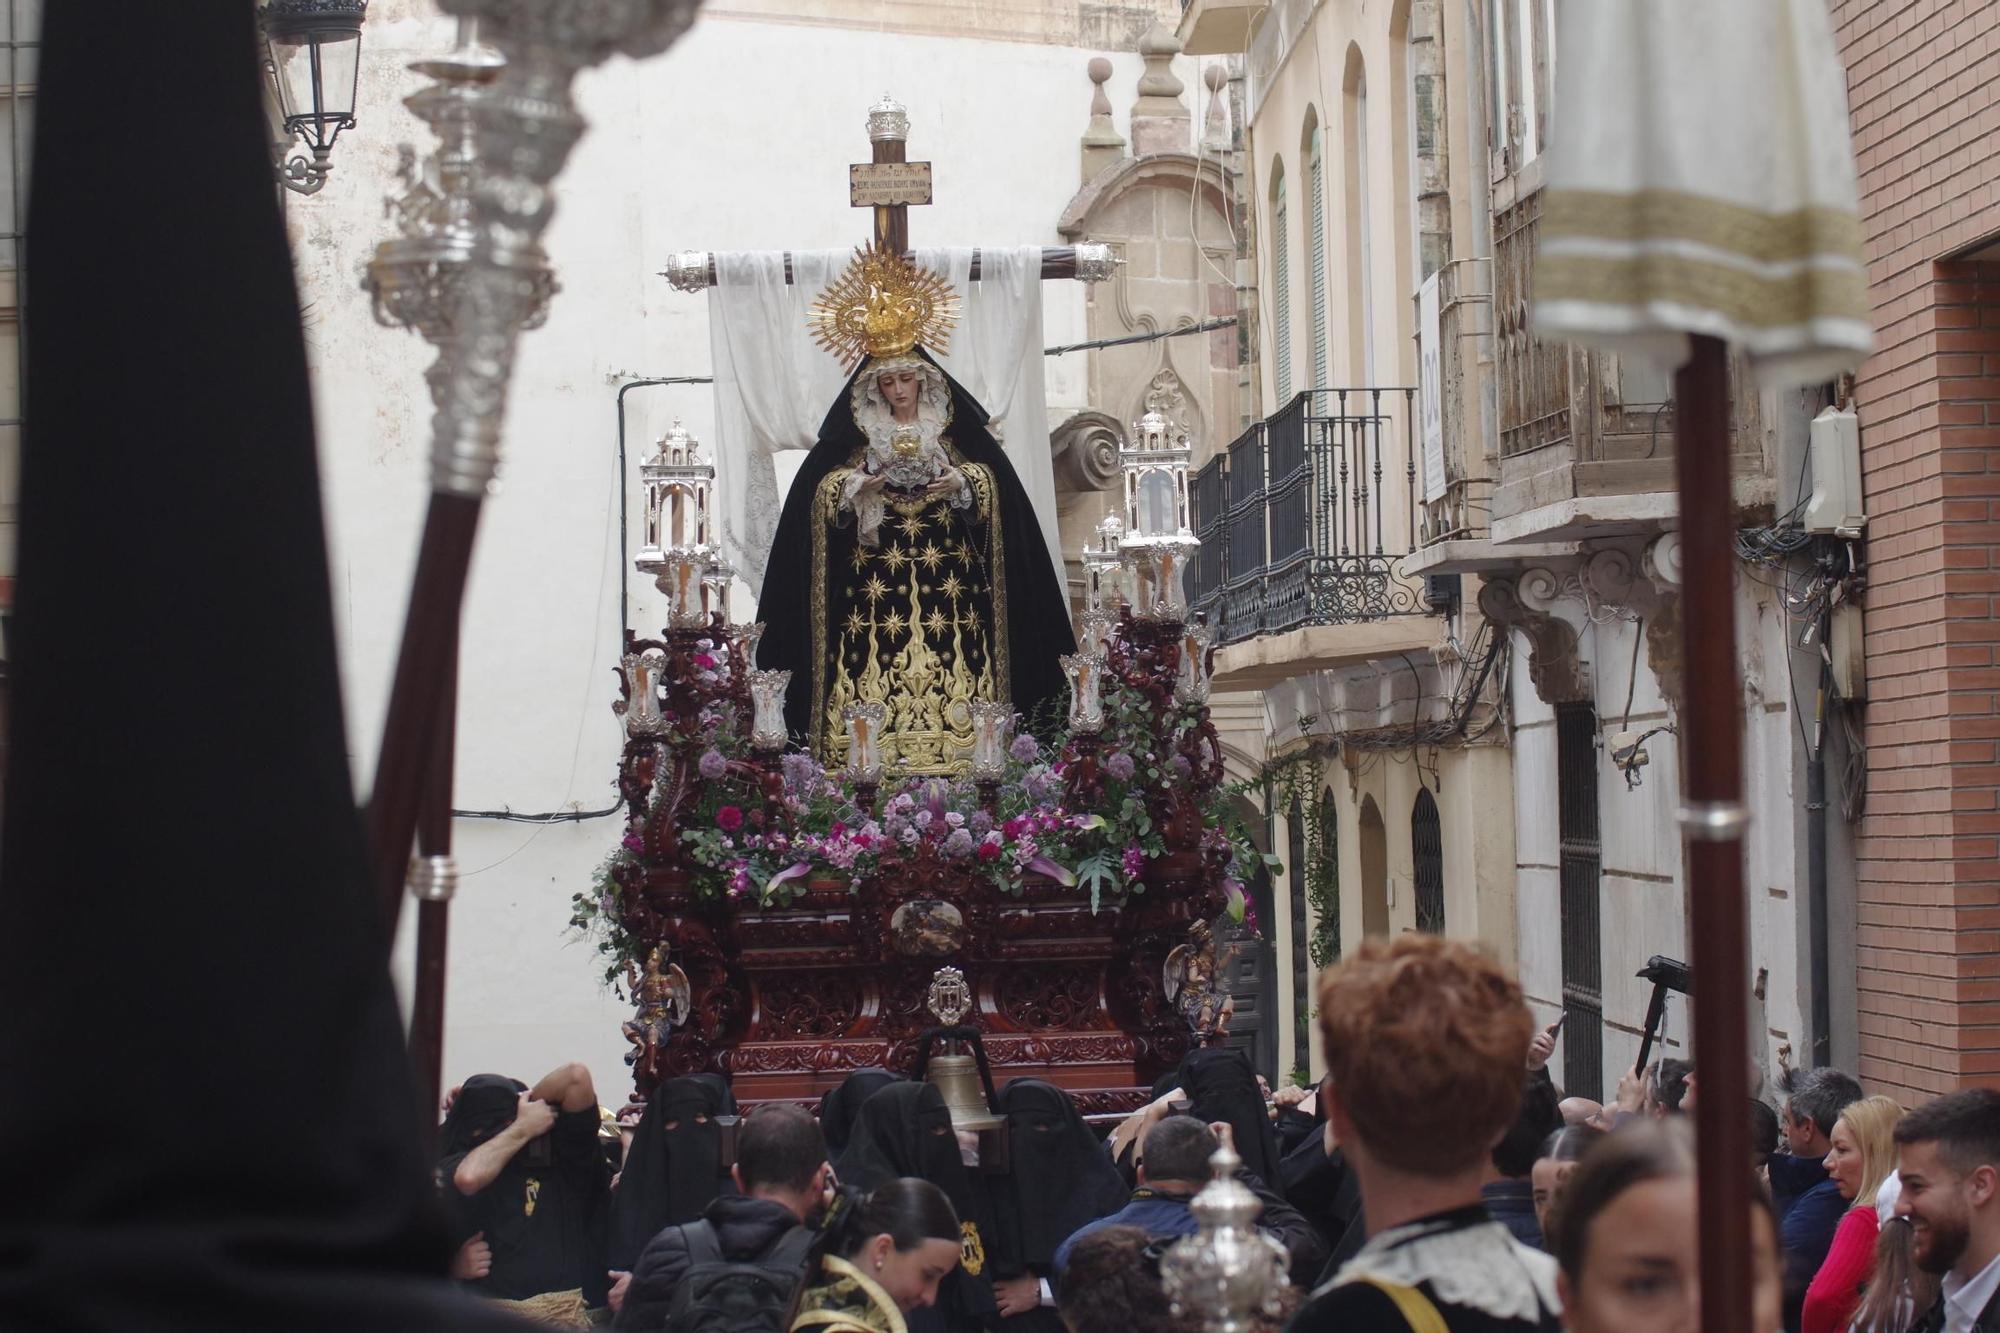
(1862, 1156)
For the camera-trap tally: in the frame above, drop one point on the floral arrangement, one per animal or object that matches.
(739, 845)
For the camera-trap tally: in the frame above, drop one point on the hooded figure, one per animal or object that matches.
(908, 567)
(839, 1106)
(485, 1105)
(905, 1130)
(1060, 1176)
(542, 1211)
(1221, 1085)
(255, 938)
(674, 1169)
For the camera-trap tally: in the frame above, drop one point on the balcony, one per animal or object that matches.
(1295, 532)
(1218, 27)
(1585, 447)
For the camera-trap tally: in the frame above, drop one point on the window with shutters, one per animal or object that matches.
(1316, 257)
(1281, 282)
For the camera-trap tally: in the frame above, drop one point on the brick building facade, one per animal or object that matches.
(1924, 88)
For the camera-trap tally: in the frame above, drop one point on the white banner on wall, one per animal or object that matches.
(1430, 388)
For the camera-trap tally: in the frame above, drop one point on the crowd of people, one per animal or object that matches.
(1436, 1178)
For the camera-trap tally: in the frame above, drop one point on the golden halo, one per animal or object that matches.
(883, 305)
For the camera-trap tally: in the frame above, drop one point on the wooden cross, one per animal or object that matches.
(890, 184)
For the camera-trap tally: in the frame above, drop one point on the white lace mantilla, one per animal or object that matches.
(1480, 1267)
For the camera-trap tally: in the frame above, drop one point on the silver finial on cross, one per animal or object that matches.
(888, 120)
(950, 999)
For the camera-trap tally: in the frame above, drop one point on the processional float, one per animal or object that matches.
(784, 923)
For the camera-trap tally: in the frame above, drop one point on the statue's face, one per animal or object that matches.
(899, 389)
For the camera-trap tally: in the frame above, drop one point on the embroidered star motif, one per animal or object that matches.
(895, 558)
(951, 587)
(854, 621)
(912, 525)
(964, 554)
(860, 558)
(875, 588)
(930, 556)
(935, 622)
(894, 624)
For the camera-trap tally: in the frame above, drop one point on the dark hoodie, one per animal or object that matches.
(746, 1230)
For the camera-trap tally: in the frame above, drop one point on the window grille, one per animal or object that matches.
(1427, 845)
(1581, 861)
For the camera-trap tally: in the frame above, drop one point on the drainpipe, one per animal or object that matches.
(1816, 890)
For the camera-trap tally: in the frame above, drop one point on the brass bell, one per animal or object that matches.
(956, 1077)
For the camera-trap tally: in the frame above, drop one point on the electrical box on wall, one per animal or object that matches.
(1835, 450)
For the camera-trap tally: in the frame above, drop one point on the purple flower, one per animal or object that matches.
(712, 764)
(1134, 863)
(958, 844)
(980, 823)
(1025, 749)
(704, 661)
(1182, 768)
(955, 819)
(909, 837)
(1120, 766)
(632, 842)
(923, 819)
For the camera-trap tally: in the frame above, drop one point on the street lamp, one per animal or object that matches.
(314, 51)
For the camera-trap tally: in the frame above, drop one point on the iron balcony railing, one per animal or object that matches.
(1293, 526)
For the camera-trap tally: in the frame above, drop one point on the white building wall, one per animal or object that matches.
(738, 138)
(1644, 902)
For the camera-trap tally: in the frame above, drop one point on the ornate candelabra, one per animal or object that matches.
(1227, 1273)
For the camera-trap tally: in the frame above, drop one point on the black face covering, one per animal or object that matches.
(905, 1130)
(485, 1105)
(169, 456)
(1061, 1177)
(1220, 1085)
(839, 1106)
(674, 1168)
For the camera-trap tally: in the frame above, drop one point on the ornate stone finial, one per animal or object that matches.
(888, 121)
(950, 999)
(1103, 146)
(1215, 125)
(1160, 120)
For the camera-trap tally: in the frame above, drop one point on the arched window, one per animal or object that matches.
(1316, 253)
(1427, 844)
(1281, 283)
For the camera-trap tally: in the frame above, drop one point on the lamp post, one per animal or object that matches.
(314, 51)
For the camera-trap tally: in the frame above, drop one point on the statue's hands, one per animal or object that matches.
(871, 481)
(946, 484)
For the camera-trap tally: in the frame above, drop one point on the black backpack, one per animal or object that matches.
(718, 1296)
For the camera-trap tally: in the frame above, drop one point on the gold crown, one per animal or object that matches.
(883, 305)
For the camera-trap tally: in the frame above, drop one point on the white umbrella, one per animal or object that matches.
(1701, 196)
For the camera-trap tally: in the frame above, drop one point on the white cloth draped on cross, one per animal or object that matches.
(773, 385)
(1701, 181)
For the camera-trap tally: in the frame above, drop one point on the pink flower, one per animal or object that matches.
(729, 819)
(989, 850)
(1134, 862)
(704, 661)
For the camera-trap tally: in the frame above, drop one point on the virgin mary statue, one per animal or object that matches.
(908, 568)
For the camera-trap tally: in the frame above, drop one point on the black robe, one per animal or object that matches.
(671, 1174)
(210, 937)
(1036, 625)
(905, 1130)
(1221, 1085)
(839, 1106)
